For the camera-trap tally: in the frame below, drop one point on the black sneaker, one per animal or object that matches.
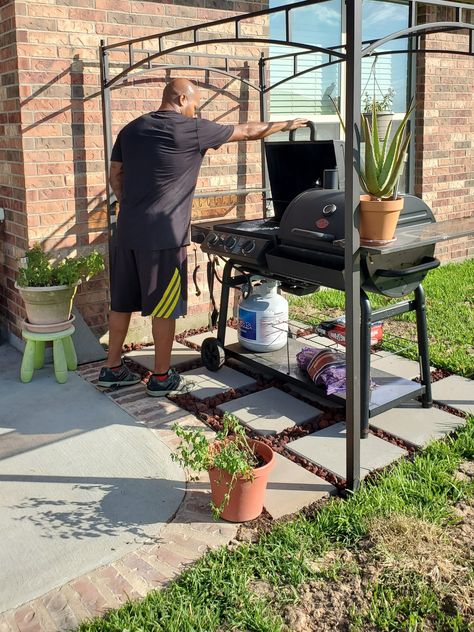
(121, 376)
(174, 383)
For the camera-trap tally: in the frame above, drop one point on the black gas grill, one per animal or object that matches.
(302, 246)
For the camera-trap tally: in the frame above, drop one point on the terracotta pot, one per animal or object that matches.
(247, 496)
(379, 218)
(48, 305)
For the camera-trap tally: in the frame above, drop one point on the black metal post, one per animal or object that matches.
(365, 329)
(351, 252)
(107, 134)
(423, 348)
(224, 304)
(263, 117)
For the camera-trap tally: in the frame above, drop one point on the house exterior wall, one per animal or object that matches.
(444, 162)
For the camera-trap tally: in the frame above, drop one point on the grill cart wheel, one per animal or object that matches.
(212, 354)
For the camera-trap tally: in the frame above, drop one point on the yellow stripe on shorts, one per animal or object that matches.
(175, 279)
(172, 302)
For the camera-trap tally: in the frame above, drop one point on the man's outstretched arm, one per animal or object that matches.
(256, 130)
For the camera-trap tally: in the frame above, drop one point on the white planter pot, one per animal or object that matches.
(48, 305)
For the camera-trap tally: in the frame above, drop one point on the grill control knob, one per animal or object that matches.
(329, 209)
(230, 242)
(212, 239)
(248, 247)
(199, 238)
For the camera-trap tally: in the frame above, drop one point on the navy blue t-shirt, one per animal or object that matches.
(161, 154)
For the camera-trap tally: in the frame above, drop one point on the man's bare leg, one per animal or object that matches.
(163, 336)
(118, 327)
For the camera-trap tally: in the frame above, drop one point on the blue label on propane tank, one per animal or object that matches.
(247, 324)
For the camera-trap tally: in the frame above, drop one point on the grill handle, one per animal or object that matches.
(311, 126)
(429, 263)
(313, 234)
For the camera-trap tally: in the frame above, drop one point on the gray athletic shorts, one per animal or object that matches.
(154, 282)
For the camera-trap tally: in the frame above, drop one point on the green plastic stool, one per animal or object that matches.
(64, 354)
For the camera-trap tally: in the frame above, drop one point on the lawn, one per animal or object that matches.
(396, 555)
(450, 312)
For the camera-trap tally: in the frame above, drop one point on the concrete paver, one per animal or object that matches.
(327, 448)
(270, 411)
(396, 365)
(291, 487)
(231, 336)
(455, 391)
(206, 383)
(181, 354)
(416, 425)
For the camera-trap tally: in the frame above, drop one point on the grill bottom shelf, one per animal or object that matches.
(389, 392)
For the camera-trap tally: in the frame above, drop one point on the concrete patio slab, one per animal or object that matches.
(209, 384)
(270, 411)
(416, 425)
(181, 354)
(455, 391)
(231, 336)
(396, 365)
(291, 487)
(314, 340)
(327, 448)
(81, 483)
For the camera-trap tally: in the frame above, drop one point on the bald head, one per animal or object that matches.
(182, 96)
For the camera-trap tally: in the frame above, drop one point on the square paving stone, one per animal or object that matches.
(327, 448)
(415, 424)
(209, 384)
(455, 391)
(180, 354)
(291, 487)
(270, 411)
(396, 365)
(231, 336)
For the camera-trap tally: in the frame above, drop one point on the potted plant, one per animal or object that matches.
(238, 468)
(48, 288)
(382, 107)
(379, 174)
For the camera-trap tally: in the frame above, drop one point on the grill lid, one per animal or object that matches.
(315, 218)
(295, 166)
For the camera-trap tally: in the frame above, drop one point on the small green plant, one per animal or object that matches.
(383, 162)
(230, 452)
(382, 104)
(41, 272)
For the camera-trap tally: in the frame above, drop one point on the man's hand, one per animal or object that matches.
(295, 124)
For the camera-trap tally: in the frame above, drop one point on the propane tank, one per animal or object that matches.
(263, 317)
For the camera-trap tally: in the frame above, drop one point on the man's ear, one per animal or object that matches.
(182, 100)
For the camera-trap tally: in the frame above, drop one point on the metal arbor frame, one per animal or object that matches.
(351, 53)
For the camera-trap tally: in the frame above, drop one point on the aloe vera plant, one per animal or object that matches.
(384, 160)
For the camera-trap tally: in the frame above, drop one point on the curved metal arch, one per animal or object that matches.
(187, 67)
(431, 27)
(249, 40)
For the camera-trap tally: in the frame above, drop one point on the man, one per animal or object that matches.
(154, 168)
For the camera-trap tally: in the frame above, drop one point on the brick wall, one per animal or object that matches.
(445, 130)
(58, 74)
(13, 231)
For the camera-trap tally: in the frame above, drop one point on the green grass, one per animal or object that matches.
(216, 593)
(450, 311)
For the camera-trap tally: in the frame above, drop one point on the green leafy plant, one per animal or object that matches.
(41, 272)
(230, 452)
(383, 162)
(382, 104)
